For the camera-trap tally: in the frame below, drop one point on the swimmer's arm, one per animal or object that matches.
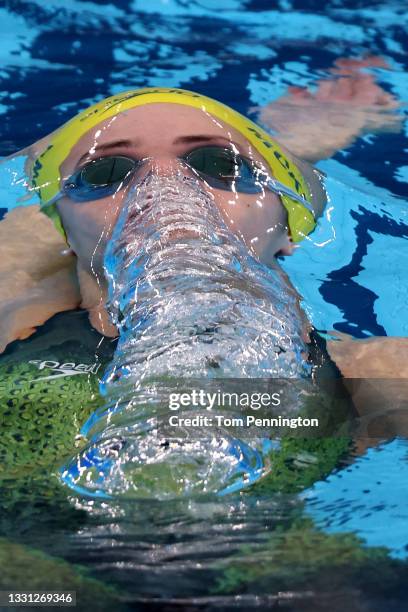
(377, 357)
(314, 125)
(36, 279)
(376, 375)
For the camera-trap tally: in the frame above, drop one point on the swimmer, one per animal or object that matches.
(110, 178)
(273, 204)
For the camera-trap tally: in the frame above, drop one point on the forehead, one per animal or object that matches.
(159, 124)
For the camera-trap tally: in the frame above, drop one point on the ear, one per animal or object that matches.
(288, 247)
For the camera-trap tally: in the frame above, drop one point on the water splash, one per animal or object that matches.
(190, 302)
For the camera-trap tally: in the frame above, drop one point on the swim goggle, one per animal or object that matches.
(219, 167)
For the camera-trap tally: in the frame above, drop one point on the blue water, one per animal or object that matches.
(58, 57)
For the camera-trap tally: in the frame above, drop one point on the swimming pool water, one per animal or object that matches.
(58, 57)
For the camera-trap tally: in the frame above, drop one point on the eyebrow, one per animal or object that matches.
(108, 146)
(200, 138)
(194, 138)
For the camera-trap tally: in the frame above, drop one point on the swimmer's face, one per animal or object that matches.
(164, 133)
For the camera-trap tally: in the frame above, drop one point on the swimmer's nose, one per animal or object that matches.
(165, 167)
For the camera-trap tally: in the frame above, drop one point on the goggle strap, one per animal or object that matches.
(281, 189)
(53, 200)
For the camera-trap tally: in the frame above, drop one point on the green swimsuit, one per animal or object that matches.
(49, 387)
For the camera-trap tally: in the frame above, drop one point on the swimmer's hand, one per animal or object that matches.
(315, 125)
(36, 279)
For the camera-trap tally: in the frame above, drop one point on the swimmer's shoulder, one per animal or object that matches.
(66, 347)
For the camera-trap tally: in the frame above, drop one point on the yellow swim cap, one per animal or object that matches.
(46, 169)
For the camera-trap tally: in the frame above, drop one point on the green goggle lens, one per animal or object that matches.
(107, 171)
(99, 178)
(225, 169)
